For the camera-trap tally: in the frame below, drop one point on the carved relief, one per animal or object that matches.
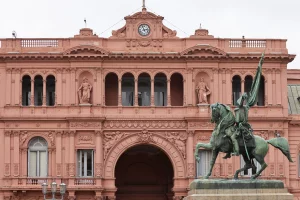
(86, 139)
(217, 170)
(51, 136)
(144, 124)
(272, 169)
(110, 139)
(58, 169)
(203, 138)
(281, 169)
(191, 170)
(201, 125)
(71, 197)
(99, 170)
(85, 124)
(71, 169)
(145, 136)
(23, 137)
(179, 140)
(202, 91)
(7, 169)
(263, 134)
(16, 169)
(99, 198)
(230, 169)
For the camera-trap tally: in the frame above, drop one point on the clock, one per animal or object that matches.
(144, 30)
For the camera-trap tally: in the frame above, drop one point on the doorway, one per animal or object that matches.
(144, 172)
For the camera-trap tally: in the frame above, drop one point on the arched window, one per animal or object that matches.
(144, 90)
(111, 89)
(26, 90)
(248, 83)
(37, 157)
(236, 89)
(176, 90)
(50, 90)
(261, 92)
(160, 90)
(127, 89)
(38, 90)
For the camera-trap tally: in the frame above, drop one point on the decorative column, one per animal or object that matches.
(184, 92)
(120, 92)
(72, 154)
(190, 154)
(136, 103)
(8, 87)
(242, 86)
(16, 153)
(103, 92)
(152, 93)
(7, 153)
(99, 153)
(58, 88)
(190, 83)
(215, 84)
(73, 90)
(44, 92)
(169, 92)
(269, 85)
(98, 86)
(32, 93)
(278, 87)
(17, 87)
(58, 153)
(228, 87)
(50, 162)
(67, 85)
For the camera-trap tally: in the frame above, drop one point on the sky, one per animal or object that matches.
(223, 18)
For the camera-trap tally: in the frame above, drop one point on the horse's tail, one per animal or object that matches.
(283, 145)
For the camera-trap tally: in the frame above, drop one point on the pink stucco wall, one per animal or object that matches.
(110, 129)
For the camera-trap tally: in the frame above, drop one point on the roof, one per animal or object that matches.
(293, 94)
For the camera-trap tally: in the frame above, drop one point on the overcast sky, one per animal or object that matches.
(223, 18)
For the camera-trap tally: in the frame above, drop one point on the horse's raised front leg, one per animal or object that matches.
(201, 145)
(212, 163)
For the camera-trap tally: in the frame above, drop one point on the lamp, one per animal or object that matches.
(54, 189)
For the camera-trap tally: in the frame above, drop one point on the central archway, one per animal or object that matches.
(144, 172)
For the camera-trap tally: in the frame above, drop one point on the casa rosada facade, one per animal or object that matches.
(119, 117)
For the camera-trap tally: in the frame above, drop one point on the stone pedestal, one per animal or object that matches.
(203, 108)
(85, 109)
(223, 189)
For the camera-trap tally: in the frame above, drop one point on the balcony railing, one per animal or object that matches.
(248, 43)
(85, 181)
(39, 43)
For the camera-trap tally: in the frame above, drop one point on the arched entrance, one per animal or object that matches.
(144, 172)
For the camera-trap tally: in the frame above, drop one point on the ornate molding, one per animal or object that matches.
(99, 170)
(144, 124)
(145, 137)
(191, 170)
(7, 169)
(179, 140)
(58, 169)
(110, 139)
(72, 169)
(85, 124)
(201, 125)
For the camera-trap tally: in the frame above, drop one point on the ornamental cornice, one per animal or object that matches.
(146, 56)
(142, 124)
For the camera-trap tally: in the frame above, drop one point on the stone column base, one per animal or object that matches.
(217, 189)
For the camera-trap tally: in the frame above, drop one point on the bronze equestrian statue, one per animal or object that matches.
(233, 134)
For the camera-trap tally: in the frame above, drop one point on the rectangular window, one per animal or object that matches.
(85, 163)
(204, 163)
(37, 164)
(250, 171)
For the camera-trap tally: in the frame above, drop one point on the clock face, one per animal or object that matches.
(144, 29)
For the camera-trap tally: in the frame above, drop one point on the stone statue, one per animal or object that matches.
(233, 133)
(84, 91)
(202, 91)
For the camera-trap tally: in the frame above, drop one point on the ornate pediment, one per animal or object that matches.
(86, 49)
(138, 21)
(201, 49)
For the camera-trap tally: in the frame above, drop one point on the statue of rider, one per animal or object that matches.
(243, 128)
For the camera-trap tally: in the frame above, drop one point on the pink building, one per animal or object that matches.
(117, 118)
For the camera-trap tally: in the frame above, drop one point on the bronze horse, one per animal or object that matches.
(219, 142)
